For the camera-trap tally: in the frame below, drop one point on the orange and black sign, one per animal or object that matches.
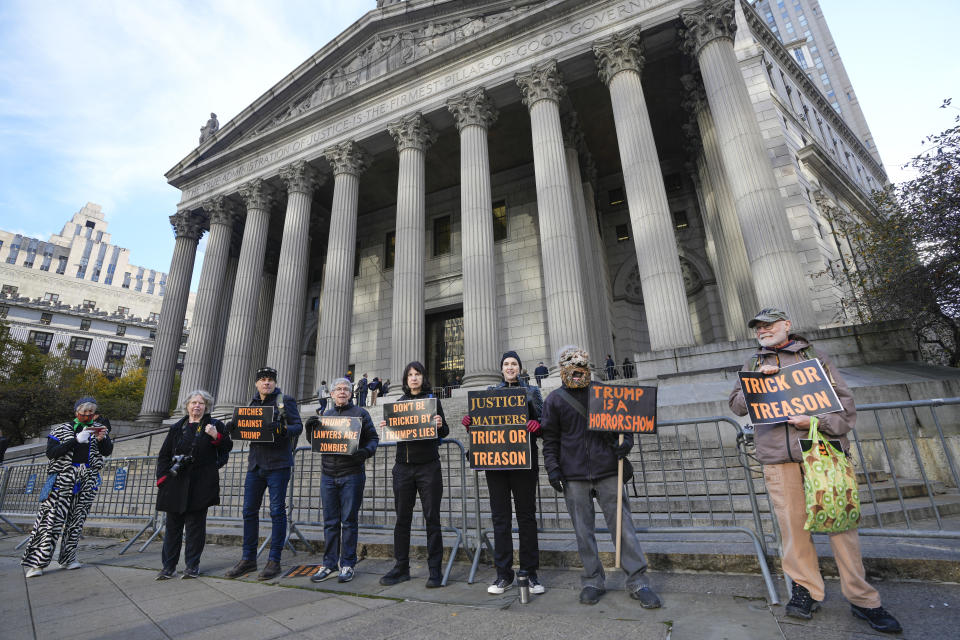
(797, 389)
(621, 409)
(301, 571)
(498, 429)
(253, 424)
(409, 420)
(336, 435)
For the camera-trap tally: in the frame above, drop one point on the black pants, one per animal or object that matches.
(427, 481)
(523, 485)
(196, 525)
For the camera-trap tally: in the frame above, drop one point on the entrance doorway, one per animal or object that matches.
(444, 344)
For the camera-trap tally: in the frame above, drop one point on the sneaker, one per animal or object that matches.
(801, 604)
(395, 576)
(33, 572)
(76, 564)
(501, 585)
(646, 596)
(591, 595)
(322, 574)
(190, 573)
(435, 581)
(346, 574)
(878, 617)
(536, 586)
(270, 571)
(166, 574)
(242, 568)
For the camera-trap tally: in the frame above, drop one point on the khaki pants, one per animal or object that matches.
(785, 486)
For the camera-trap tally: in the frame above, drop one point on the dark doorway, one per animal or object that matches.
(445, 348)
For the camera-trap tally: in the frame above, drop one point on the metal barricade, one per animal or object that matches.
(688, 479)
(377, 510)
(4, 477)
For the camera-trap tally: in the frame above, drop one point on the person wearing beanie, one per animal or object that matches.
(76, 450)
(522, 485)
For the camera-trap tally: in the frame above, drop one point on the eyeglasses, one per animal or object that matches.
(342, 390)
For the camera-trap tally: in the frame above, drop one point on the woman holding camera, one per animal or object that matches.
(76, 450)
(417, 471)
(189, 483)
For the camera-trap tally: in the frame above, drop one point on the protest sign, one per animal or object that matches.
(337, 435)
(797, 389)
(410, 420)
(498, 429)
(253, 424)
(622, 409)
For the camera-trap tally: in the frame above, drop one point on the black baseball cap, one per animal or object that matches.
(266, 372)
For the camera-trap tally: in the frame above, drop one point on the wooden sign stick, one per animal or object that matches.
(616, 562)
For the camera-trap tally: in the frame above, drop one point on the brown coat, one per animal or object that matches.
(779, 443)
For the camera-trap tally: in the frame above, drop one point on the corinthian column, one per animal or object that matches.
(233, 389)
(198, 363)
(349, 161)
(774, 260)
(620, 61)
(156, 396)
(413, 136)
(289, 299)
(542, 88)
(474, 113)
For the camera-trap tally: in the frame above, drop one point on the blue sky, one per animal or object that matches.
(99, 99)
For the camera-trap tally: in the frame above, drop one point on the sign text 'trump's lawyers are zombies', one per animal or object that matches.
(337, 435)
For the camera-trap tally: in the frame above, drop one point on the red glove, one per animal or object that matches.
(160, 481)
(466, 421)
(533, 426)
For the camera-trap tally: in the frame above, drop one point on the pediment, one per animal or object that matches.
(381, 44)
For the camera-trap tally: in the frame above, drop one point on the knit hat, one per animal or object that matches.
(82, 401)
(510, 354)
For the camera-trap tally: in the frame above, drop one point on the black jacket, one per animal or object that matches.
(421, 451)
(569, 448)
(337, 466)
(279, 453)
(197, 485)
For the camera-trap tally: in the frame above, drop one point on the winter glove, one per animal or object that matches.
(84, 436)
(623, 450)
(556, 481)
(361, 455)
(466, 421)
(533, 426)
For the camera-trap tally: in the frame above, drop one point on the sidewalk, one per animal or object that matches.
(117, 597)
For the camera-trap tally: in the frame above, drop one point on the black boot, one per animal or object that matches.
(801, 605)
(395, 576)
(242, 568)
(878, 617)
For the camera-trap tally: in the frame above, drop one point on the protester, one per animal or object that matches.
(269, 466)
(778, 449)
(522, 484)
(582, 464)
(417, 472)
(611, 367)
(540, 373)
(76, 450)
(189, 483)
(627, 368)
(374, 387)
(323, 395)
(341, 489)
(362, 387)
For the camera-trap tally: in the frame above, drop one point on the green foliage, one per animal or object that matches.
(908, 254)
(38, 389)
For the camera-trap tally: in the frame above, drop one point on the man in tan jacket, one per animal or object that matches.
(778, 449)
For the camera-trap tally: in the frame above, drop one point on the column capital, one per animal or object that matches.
(220, 211)
(543, 82)
(711, 20)
(301, 177)
(187, 225)
(347, 157)
(572, 133)
(619, 52)
(412, 132)
(695, 95)
(257, 194)
(473, 108)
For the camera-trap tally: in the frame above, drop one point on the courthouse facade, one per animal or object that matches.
(452, 178)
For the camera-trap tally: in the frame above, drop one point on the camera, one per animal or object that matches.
(179, 463)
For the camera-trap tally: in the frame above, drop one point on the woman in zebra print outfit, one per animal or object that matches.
(76, 451)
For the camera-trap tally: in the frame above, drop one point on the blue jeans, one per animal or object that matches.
(341, 507)
(258, 481)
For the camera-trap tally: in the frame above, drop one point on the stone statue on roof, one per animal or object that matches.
(208, 129)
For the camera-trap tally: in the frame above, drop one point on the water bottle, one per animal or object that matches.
(523, 582)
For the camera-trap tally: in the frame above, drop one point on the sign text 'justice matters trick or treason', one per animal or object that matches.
(498, 429)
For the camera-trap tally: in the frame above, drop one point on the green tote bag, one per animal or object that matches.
(829, 486)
